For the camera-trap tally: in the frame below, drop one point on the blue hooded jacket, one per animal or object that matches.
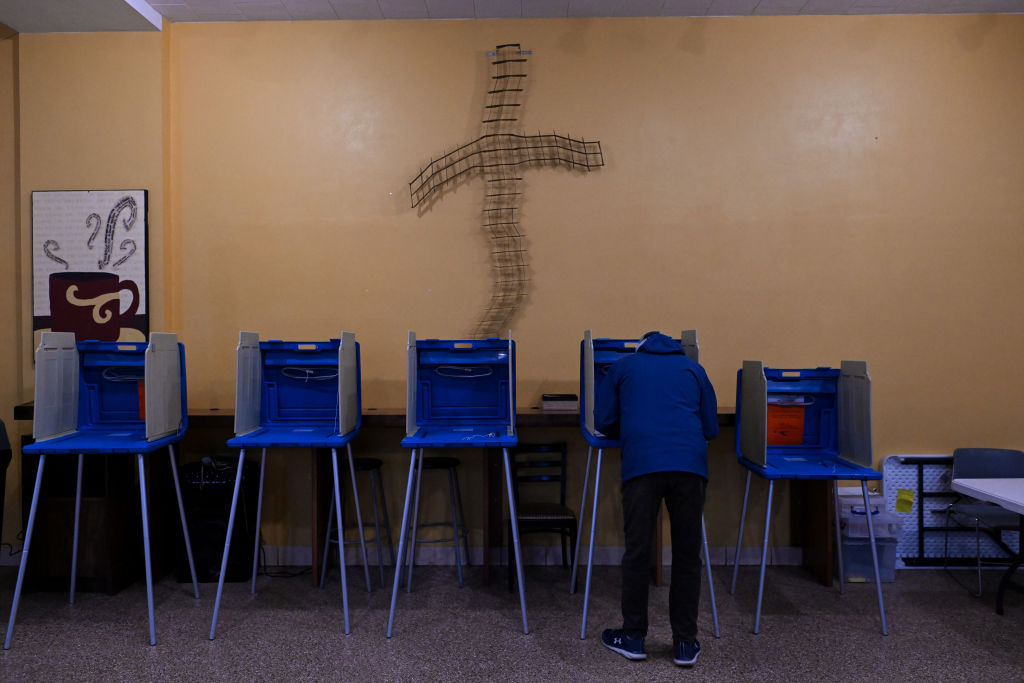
(663, 408)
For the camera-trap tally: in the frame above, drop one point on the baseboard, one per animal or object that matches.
(302, 556)
(534, 555)
(298, 556)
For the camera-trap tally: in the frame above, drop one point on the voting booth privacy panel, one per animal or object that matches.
(293, 393)
(112, 396)
(806, 424)
(460, 393)
(107, 397)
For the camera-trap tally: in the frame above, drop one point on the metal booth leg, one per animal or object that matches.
(74, 542)
(145, 546)
(227, 543)
(839, 537)
(764, 553)
(593, 535)
(462, 519)
(579, 524)
(515, 538)
(327, 543)
(184, 523)
(739, 536)
(259, 518)
(359, 518)
(455, 526)
(711, 585)
(24, 552)
(401, 541)
(411, 555)
(874, 556)
(341, 544)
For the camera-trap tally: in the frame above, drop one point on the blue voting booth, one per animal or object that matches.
(812, 423)
(596, 357)
(291, 394)
(459, 394)
(113, 398)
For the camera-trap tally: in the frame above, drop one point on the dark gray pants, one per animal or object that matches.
(683, 494)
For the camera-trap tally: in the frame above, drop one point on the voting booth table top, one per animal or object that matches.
(812, 423)
(459, 394)
(596, 357)
(294, 394)
(108, 398)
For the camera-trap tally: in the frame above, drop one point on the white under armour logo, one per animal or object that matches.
(618, 641)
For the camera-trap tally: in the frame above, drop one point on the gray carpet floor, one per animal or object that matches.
(291, 630)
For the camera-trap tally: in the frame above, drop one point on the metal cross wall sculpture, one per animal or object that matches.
(500, 152)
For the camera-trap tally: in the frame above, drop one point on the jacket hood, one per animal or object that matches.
(657, 342)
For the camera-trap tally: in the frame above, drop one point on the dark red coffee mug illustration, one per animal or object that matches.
(89, 304)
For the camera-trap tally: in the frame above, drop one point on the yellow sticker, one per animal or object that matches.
(904, 500)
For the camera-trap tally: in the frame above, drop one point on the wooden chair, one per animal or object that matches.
(541, 466)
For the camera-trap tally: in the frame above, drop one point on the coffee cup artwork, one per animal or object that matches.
(89, 304)
(90, 275)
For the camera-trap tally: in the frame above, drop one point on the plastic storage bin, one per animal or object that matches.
(850, 497)
(888, 527)
(857, 566)
(885, 524)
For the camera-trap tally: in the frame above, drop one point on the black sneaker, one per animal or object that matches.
(686, 653)
(616, 640)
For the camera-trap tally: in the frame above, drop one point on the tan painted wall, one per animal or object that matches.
(800, 189)
(91, 117)
(9, 367)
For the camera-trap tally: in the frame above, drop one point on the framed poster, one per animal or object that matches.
(89, 264)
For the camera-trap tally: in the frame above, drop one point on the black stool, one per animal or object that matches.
(457, 522)
(371, 466)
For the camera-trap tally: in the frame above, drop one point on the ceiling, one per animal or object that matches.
(75, 16)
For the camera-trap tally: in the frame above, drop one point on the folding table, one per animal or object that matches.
(292, 394)
(459, 394)
(1008, 494)
(596, 356)
(812, 423)
(108, 398)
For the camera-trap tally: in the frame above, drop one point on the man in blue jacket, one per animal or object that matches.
(663, 408)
